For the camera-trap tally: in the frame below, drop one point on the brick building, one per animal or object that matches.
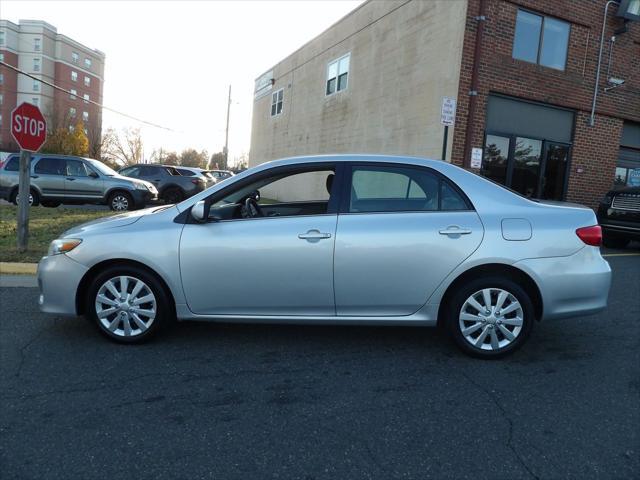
(37, 48)
(523, 73)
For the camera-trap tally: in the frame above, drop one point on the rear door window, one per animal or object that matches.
(13, 164)
(50, 166)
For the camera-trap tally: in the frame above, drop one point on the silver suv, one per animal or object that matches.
(57, 179)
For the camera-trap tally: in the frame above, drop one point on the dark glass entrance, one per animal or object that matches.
(533, 167)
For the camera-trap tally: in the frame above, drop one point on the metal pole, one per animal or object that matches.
(23, 199)
(592, 120)
(226, 135)
(444, 143)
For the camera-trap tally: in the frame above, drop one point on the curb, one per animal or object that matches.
(16, 268)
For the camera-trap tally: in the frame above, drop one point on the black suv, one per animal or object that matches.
(172, 187)
(619, 217)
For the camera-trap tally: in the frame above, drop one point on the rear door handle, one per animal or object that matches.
(34, 176)
(70, 179)
(313, 235)
(454, 230)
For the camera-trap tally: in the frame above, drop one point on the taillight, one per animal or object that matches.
(196, 181)
(590, 235)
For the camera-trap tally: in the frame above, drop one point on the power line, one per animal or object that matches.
(57, 87)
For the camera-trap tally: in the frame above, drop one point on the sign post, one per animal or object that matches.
(29, 129)
(447, 118)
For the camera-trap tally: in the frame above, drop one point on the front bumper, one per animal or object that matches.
(571, 286)
(142, 197)
(58, 279)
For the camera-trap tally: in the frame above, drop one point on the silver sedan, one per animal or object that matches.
(343, 239)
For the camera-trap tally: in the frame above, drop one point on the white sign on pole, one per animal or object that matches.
(476, 157)
(448, 111)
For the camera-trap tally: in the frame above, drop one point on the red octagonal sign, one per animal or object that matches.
(28, 127)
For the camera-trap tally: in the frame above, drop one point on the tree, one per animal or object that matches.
(218, 161)
(67, 141)
(172, 158)
(241, 162)
(192, 158)
(124, 147)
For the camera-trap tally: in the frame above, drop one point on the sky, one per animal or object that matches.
(171, 62)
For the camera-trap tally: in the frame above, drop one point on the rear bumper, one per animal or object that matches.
(58, 280)
(571, 286)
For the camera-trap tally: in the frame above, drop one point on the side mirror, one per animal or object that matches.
(93, 174)
(198, 212)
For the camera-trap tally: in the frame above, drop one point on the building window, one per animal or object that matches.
(1, 99)
(1, 57)
(1, 78)
(36, 64)
(72, 128)
(37, 46)
(87, 81)
(72, 94)
(541, 40)
(36, 85)
(0, 120)
(86, 132)
(85, 116)
(1, 38)
(86, 98)
(35, 101)
(74, 57)
(276, 102)
(338, 74)
(87, 63)
(74, 76)
(72, 112)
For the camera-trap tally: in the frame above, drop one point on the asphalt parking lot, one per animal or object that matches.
(242, 401)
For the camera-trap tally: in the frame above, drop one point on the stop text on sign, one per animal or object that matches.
(31, 126)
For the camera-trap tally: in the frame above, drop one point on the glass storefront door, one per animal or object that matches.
(533, 167)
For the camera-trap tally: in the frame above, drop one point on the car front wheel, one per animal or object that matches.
(128, 304)
(490, 317)
(120, 202)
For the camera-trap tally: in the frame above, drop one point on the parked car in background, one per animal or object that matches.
(619, 217)
(172, 187)
(205, 175)
(60, 179)
(342, 239)
(221, 174)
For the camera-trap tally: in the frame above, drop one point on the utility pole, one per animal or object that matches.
(226, 135)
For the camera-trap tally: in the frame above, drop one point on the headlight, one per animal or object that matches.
(140, 186)
(63, 245)
(606, 200)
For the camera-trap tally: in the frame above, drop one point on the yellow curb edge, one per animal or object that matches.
(16, 268)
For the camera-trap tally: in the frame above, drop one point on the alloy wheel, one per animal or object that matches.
(30, 199)
(491, 319)
(125, 306)
(120, 203)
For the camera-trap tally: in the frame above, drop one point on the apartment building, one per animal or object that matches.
(522, 74)
(37, 48)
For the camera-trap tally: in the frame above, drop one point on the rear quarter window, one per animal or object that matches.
(13, 164)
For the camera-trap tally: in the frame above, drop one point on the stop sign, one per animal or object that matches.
(28, 127)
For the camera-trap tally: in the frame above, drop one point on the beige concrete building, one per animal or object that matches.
(36, 47)
(372, 83)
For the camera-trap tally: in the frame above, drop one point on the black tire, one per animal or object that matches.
(611, 241)
(164, 311)
(35, 198)
(120, 201)
(172, 195)
(489, 323)
(50, 204)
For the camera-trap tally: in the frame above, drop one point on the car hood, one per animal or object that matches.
(115, 221)
(130, 179)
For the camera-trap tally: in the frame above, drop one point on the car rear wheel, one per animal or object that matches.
(490, 317)
(173, 195)
(120, 202)
(34, 199)
(128, 304)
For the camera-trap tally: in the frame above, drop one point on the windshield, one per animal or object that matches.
(102, 168)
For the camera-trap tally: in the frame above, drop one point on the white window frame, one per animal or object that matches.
(75, 57)
(73, 93)
(87, 63)
(1, 78)
(72, 112)
(36, 86)
(2, 37)
(337, 76)
(87, 81)
(37, 64)
(35, 101)
(274, 95)
(85, 98)
(1, 99)
(37, 44)
(1, 57)
(85, 116)
(74, 76)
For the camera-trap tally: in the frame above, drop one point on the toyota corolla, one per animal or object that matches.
(344, 239)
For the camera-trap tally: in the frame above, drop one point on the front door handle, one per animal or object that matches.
(313, 235)
(70, 179)
(454, 230)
